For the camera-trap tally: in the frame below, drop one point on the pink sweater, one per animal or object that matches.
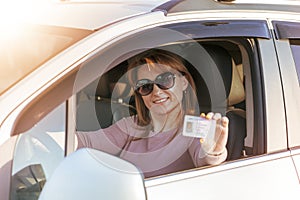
(155, 154)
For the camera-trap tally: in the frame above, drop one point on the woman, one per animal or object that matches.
(153, 140)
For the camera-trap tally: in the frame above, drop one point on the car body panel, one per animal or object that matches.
(91, 15)
(191, 5)
(296, 159)
(290, 84)
(238, 181)
(284, 31)
(274, 103)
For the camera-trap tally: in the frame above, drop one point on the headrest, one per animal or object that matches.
(121, 90)
(98, 87)
(103, 89)
(223, 61)
(113, 84)
(218, 81)
(231, 73)
(237, 91)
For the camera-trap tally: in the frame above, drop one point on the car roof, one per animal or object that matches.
(95, 14)
(90, 15)
(236, 5)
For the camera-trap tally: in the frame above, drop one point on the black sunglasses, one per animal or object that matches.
(164, 81)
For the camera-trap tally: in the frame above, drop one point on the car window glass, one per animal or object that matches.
(295, 46)
(291, 31)
(37, 153)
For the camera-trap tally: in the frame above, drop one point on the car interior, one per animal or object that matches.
(109, 98)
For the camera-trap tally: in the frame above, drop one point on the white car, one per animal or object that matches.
(65, 71)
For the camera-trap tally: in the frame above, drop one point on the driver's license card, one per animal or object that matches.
(198, 127)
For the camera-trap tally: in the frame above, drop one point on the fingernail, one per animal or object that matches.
(225, 121)
(208, 116)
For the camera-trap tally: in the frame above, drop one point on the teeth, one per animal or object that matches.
(160, 100)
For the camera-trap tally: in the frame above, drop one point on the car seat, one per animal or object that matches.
(219, 89)
(103, 102)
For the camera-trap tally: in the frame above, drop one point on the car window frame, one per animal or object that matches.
(286, 32)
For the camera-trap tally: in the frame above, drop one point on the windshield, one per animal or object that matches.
(26, 49)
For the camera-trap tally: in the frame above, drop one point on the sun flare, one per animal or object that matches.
(14, 14)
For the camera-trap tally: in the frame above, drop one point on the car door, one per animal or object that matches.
(265, 157)
(259, 173)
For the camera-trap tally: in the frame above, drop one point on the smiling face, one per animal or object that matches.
(163, 101)
(153, 66)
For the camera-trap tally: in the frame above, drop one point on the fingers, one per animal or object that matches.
(218, 117)
(207, 116)
(224, 122)
(219, 138)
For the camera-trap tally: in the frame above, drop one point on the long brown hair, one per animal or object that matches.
(156, 57)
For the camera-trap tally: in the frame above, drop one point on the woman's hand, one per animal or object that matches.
(216, 144)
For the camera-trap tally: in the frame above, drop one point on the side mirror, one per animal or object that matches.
(92, 174)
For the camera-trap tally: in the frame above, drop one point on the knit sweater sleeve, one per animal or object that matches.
(110, 140)
(201, 158)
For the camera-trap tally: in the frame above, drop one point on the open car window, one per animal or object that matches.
(218, 68)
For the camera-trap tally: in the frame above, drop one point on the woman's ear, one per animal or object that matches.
(185, 83)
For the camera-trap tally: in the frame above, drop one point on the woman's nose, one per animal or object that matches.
(156, 89)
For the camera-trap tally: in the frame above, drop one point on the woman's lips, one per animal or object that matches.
(160, 100)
